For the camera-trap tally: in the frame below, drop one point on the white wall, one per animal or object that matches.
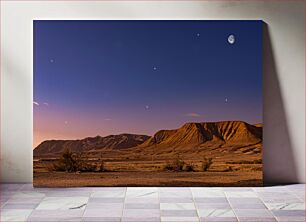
(284, 81)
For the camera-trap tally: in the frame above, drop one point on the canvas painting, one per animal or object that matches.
(147, 103)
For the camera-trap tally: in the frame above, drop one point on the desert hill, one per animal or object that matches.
(205, 138)
(226, 132)
(121, 141)
(191, 138)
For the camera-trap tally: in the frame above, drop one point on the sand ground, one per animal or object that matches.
(63, 179)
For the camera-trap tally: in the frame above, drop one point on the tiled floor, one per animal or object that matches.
(22, 202)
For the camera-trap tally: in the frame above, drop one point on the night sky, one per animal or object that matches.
(110, 77)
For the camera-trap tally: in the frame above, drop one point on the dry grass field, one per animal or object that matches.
(63, 179)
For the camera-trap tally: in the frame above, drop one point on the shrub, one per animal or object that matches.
(67, 162)
(206, 163)
(176, 165)
(258, 161)
(73, 162)
(229, 169)
(169, 166)
(189, 167)
(100, 167)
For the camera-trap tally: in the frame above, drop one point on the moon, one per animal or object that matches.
(231, 39)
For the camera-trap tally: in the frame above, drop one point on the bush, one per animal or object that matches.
(206, 163)
(68, 162)
(258, 161)
(176, 165)
(229, 169)
(73, 162)
(189, 167)
(169, 166)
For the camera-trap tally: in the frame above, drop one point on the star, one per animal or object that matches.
(66, 122)
(198, 34)
(52, 60)
(226, 100)
(154, 68)
(147, 107)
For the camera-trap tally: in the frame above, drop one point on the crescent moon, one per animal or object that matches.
(231, 39)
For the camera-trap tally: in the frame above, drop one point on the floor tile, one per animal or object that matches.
(289, 213)
(216, 213)
(140, 219)
(285, 206)
(28, 194)
(109, 194)
(94, 189)
(248, 206)
(230, 194)
(105, 200)
(68, 193)
(177, 206)
(173, 189)
(275, 197)
(141, 206)
(179, 219)
(204, 192)
(213, 205)
(279, 189)
(178, 213)
(14, 214)
(10, 186)
(29, 200)
(238, 189)
(296, 186)
(176, 193)
(20, 206)
(210, 200)
(218, 219)
(92, 205)
(54, 219)
(246, 200)
(101, 219)
(62, 203)
(142, 213)
(27, 187)
(57, 213)
(291, 219)
(103, 212)
(3, 200)
(142, 200)
(176, 200)
(135, 192)
(254, 219)
(254, 213)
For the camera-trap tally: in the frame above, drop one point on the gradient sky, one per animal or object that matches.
(109, 77)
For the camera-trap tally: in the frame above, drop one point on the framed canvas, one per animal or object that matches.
(147, 103)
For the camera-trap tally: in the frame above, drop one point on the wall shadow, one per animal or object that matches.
(278, 160)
